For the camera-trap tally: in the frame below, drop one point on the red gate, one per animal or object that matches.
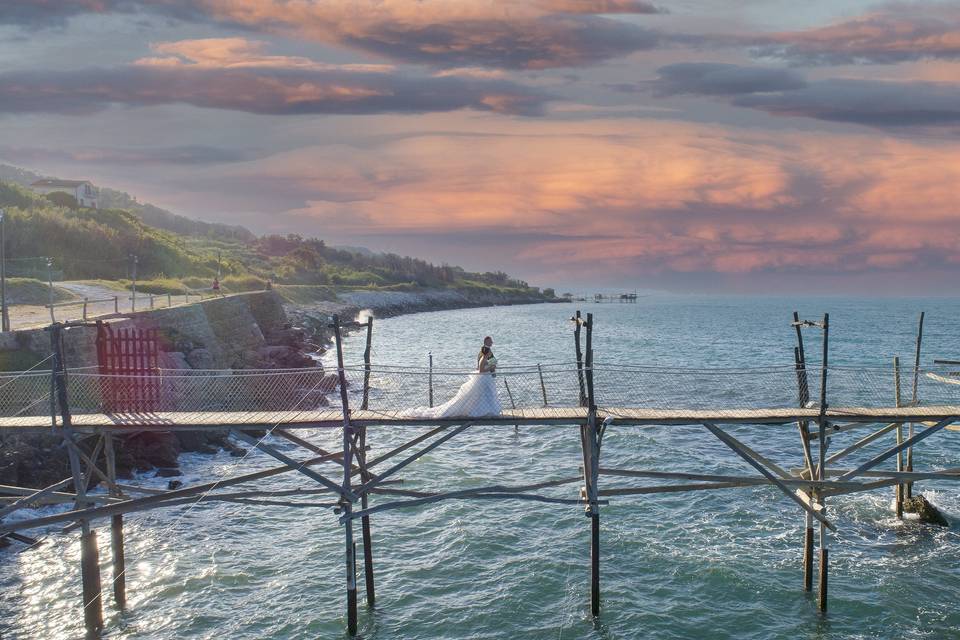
(127, 359)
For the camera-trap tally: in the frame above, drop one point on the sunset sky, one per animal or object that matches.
(711, 145)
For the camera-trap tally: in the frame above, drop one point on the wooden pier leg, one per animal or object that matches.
(345, 504)
(89, 554)
(362, 459)
(899, 489)
(808, 555)
(822, 586)
(90, 576)
(591, 449)
(116, 531)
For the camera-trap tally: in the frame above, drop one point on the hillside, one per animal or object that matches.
(175, 251)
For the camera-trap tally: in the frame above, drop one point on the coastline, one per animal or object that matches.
(314, 317)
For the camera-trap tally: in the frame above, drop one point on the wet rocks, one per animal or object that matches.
(925, 511)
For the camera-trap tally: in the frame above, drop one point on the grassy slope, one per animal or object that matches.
(98, 244)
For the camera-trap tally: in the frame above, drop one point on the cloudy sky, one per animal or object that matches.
(718, 145)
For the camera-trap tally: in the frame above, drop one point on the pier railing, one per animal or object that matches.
(409, 389)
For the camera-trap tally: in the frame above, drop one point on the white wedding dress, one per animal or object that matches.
(476, 398)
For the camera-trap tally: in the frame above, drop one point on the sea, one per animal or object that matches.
(695, 565)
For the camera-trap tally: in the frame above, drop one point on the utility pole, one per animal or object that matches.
(133, 299)
(4, 313)
(50, 281)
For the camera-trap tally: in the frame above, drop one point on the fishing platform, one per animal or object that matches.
(879, 414)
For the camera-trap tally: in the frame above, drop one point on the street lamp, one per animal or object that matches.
(4, 313)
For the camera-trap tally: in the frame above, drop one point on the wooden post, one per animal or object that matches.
(152, 296)
(430, 379)
(591, 443)
(345, 504)
(803, 397)
(116, 304)
(900, 489)
(85, 308)
(513, 405)
(543, 387)
(116, 530)
(821, 467)
(914, 398)
(576, 341)
(89, 554)
(365, 476)
(169, 300)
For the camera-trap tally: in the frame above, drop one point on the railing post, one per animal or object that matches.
(576, 341)
(430, 379)
(85, 308)
(543, 387)
(346, 506)
(152, 296)
(169, 300)
(116, 304)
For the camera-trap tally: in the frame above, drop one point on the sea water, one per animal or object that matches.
(716, 564)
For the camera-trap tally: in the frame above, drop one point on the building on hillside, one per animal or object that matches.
(83, 190)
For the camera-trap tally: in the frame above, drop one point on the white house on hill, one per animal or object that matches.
(83, 190)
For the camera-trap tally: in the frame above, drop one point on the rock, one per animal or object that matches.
(173, 360)
(925, 511)
(235, 451)
(167, 472)
(174, 484)
(200, 359)
(207, 441)
(329, 383)
(152, 449)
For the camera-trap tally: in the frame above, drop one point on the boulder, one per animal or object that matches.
(152, 449)
(200, 359)
(925, 511)
(168, 472)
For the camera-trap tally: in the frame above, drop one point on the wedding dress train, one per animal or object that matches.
(476, 398)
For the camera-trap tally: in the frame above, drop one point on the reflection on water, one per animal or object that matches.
(723, 564)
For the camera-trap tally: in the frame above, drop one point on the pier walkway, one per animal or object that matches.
(872, 416)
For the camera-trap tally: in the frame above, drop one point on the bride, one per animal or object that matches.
(476, 398)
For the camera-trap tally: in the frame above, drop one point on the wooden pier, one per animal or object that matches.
(359, 485)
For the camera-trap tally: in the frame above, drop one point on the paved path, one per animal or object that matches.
(33, 316)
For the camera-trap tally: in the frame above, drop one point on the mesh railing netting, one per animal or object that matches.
(409, 389)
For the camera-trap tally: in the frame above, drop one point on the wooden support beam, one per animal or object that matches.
(150, 501)
(733, 445)
(34, 497)
(366, 486)
(859, 444)
(296, 465)
(673, 475)
(908, 443)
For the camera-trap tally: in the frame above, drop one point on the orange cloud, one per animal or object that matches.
(645, 195)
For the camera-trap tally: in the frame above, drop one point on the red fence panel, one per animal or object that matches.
(128, 358)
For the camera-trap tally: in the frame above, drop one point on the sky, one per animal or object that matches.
(740, 146)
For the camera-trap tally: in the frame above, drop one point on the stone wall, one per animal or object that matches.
(225, 328)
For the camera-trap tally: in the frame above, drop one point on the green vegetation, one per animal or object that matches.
(30, 291)
(176, 253)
